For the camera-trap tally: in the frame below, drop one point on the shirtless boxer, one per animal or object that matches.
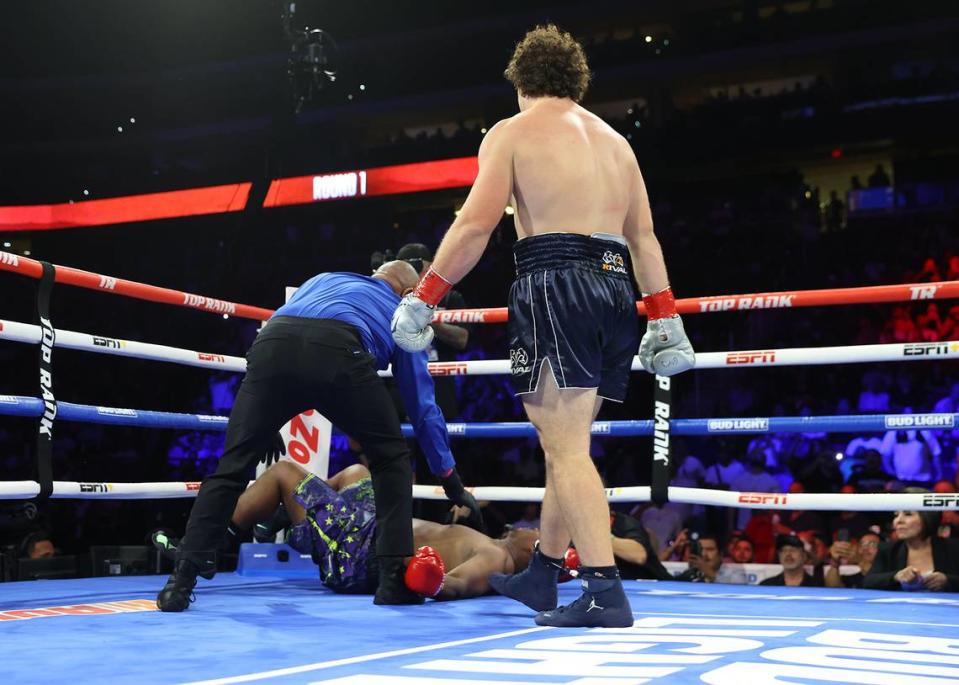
(335, 522)
(583, 219)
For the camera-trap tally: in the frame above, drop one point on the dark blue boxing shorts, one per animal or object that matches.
(573, 305)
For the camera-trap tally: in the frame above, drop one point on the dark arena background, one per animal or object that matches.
(181, 164)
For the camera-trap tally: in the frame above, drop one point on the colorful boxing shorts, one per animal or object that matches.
(338, 531)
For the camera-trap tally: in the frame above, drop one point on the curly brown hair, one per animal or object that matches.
(549, 62)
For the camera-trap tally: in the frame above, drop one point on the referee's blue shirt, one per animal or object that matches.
(367, 304)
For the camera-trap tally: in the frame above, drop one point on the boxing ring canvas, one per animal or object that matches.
(292, 630)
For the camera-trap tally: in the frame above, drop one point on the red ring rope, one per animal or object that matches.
(906, 292)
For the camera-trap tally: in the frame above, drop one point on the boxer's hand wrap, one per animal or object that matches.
(411, 321)
(432, 288)
(425, 572)
(665, 349)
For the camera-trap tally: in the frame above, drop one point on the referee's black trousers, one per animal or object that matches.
(297, 364)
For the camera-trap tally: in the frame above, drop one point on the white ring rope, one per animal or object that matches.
(25, 489)
(800, 356)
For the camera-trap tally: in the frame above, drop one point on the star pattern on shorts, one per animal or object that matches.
(342, 570)
(349, 538)
(329, 507)
(343, 509)
(329, 521)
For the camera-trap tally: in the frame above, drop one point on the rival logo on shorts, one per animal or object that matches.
(944, 500)
(448, 369)
(737, 425)
(920, 421)
(519, 361)
(930, 349)
(761, 498)
(758, 357)
(613, 261)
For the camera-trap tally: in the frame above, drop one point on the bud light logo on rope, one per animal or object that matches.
(920, 421)
(738, 425)
(749, 358)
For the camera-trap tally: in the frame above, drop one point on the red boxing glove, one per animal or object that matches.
(425, 572)
(570, 565)
(661, 305)
(432, 288)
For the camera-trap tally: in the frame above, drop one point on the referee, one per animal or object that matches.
(321, 350)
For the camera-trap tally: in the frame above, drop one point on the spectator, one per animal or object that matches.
(874, 397)
(912, 455)
(664, 522)
(949, 328)
(530, 517)
(861, 554)
(869, 475)
(742, 552)
(835, 218)
(706, 563)
(929, 272)
(634, 550)
(37, 545)
(918, 559)
(879, 178)
(792, 556)
(723, 471)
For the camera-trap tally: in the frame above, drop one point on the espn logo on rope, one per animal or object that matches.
(761, 498)
(751, 358)
(930, 349)
(207, 357)
(738, 425)
(448, 369)
(456, 428)
(944, 500)
(920, 421)
(725, 304)
(613, 261)
(99, 488)
(109, 343)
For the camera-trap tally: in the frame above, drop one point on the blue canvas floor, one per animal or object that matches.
(275, 630)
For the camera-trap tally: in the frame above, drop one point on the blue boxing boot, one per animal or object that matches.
(603, 603)
(535, 586)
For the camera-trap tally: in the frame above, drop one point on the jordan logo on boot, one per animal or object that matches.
(593, 605)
